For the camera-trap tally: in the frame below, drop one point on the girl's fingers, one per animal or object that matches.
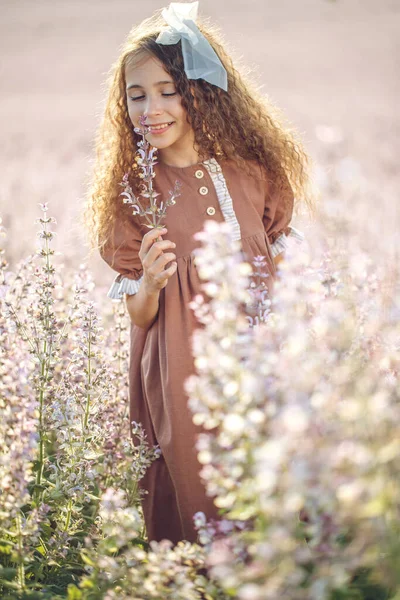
(166, 273)
(171, 270)
(157, 250)
(154, 258)
(150, 237)
(163, 260)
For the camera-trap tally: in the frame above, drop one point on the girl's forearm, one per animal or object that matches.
(143, 307)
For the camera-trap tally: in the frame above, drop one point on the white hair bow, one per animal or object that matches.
(199, 58)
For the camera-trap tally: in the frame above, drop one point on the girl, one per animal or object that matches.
(235, 162)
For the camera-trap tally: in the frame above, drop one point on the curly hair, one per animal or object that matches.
(240, 124)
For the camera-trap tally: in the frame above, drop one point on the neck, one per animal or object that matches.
(183, 153)
(179, 159)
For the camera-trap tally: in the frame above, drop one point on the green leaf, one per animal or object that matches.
(41, 549)
(74, 593)
(6, 549)
(7, 573)
(87, 560)
(92, 455)
(87, 584)
(37, 487)
(12, 585)
(53, 563)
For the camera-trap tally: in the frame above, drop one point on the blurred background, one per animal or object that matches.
(331, 65)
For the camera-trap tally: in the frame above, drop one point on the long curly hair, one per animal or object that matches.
(240, 125)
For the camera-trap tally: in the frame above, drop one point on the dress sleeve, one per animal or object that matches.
(121, 253)
(278, 211)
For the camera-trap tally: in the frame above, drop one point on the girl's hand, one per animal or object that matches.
(154, 258)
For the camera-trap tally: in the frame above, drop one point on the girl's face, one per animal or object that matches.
(151, 91)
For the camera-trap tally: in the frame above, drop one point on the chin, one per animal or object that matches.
(160, 145)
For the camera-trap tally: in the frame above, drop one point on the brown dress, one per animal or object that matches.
(160, 357)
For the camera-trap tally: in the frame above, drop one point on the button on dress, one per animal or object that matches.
(161, 357)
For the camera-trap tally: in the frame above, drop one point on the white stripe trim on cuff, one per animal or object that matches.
(124, 286)
(282, 242)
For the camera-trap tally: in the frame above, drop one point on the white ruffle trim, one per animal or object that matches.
(124, 286)
(282, 242)
(224, 197)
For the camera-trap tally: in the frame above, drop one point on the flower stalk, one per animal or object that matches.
(20, 546)
(148, 207)
(46, 318)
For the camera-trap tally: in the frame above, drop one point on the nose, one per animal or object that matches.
(152, 106)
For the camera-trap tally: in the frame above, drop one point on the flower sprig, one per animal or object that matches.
(147, 159)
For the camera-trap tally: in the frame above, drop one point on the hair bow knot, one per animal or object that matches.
(199, 58)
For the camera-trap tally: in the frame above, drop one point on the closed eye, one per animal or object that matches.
(136, 98)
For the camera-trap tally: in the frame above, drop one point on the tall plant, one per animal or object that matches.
(303, 412)
(64, 432)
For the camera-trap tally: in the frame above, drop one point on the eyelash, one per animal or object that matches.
(141, 97)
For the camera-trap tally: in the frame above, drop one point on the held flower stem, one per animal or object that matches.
(147, 160)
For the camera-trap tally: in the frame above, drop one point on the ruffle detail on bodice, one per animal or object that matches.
(223, 195)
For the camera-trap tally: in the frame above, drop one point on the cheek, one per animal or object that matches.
(133, 113)
(182, 114)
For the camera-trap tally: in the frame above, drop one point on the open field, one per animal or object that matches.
(301, 409)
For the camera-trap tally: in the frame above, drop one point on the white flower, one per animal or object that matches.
(234, 424)
(295, 419)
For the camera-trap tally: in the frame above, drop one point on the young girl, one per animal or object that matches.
(235, 162)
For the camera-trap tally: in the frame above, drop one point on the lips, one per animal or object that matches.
(160, 128)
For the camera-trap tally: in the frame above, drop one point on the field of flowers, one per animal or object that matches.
(299, 400)
(301, 410)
